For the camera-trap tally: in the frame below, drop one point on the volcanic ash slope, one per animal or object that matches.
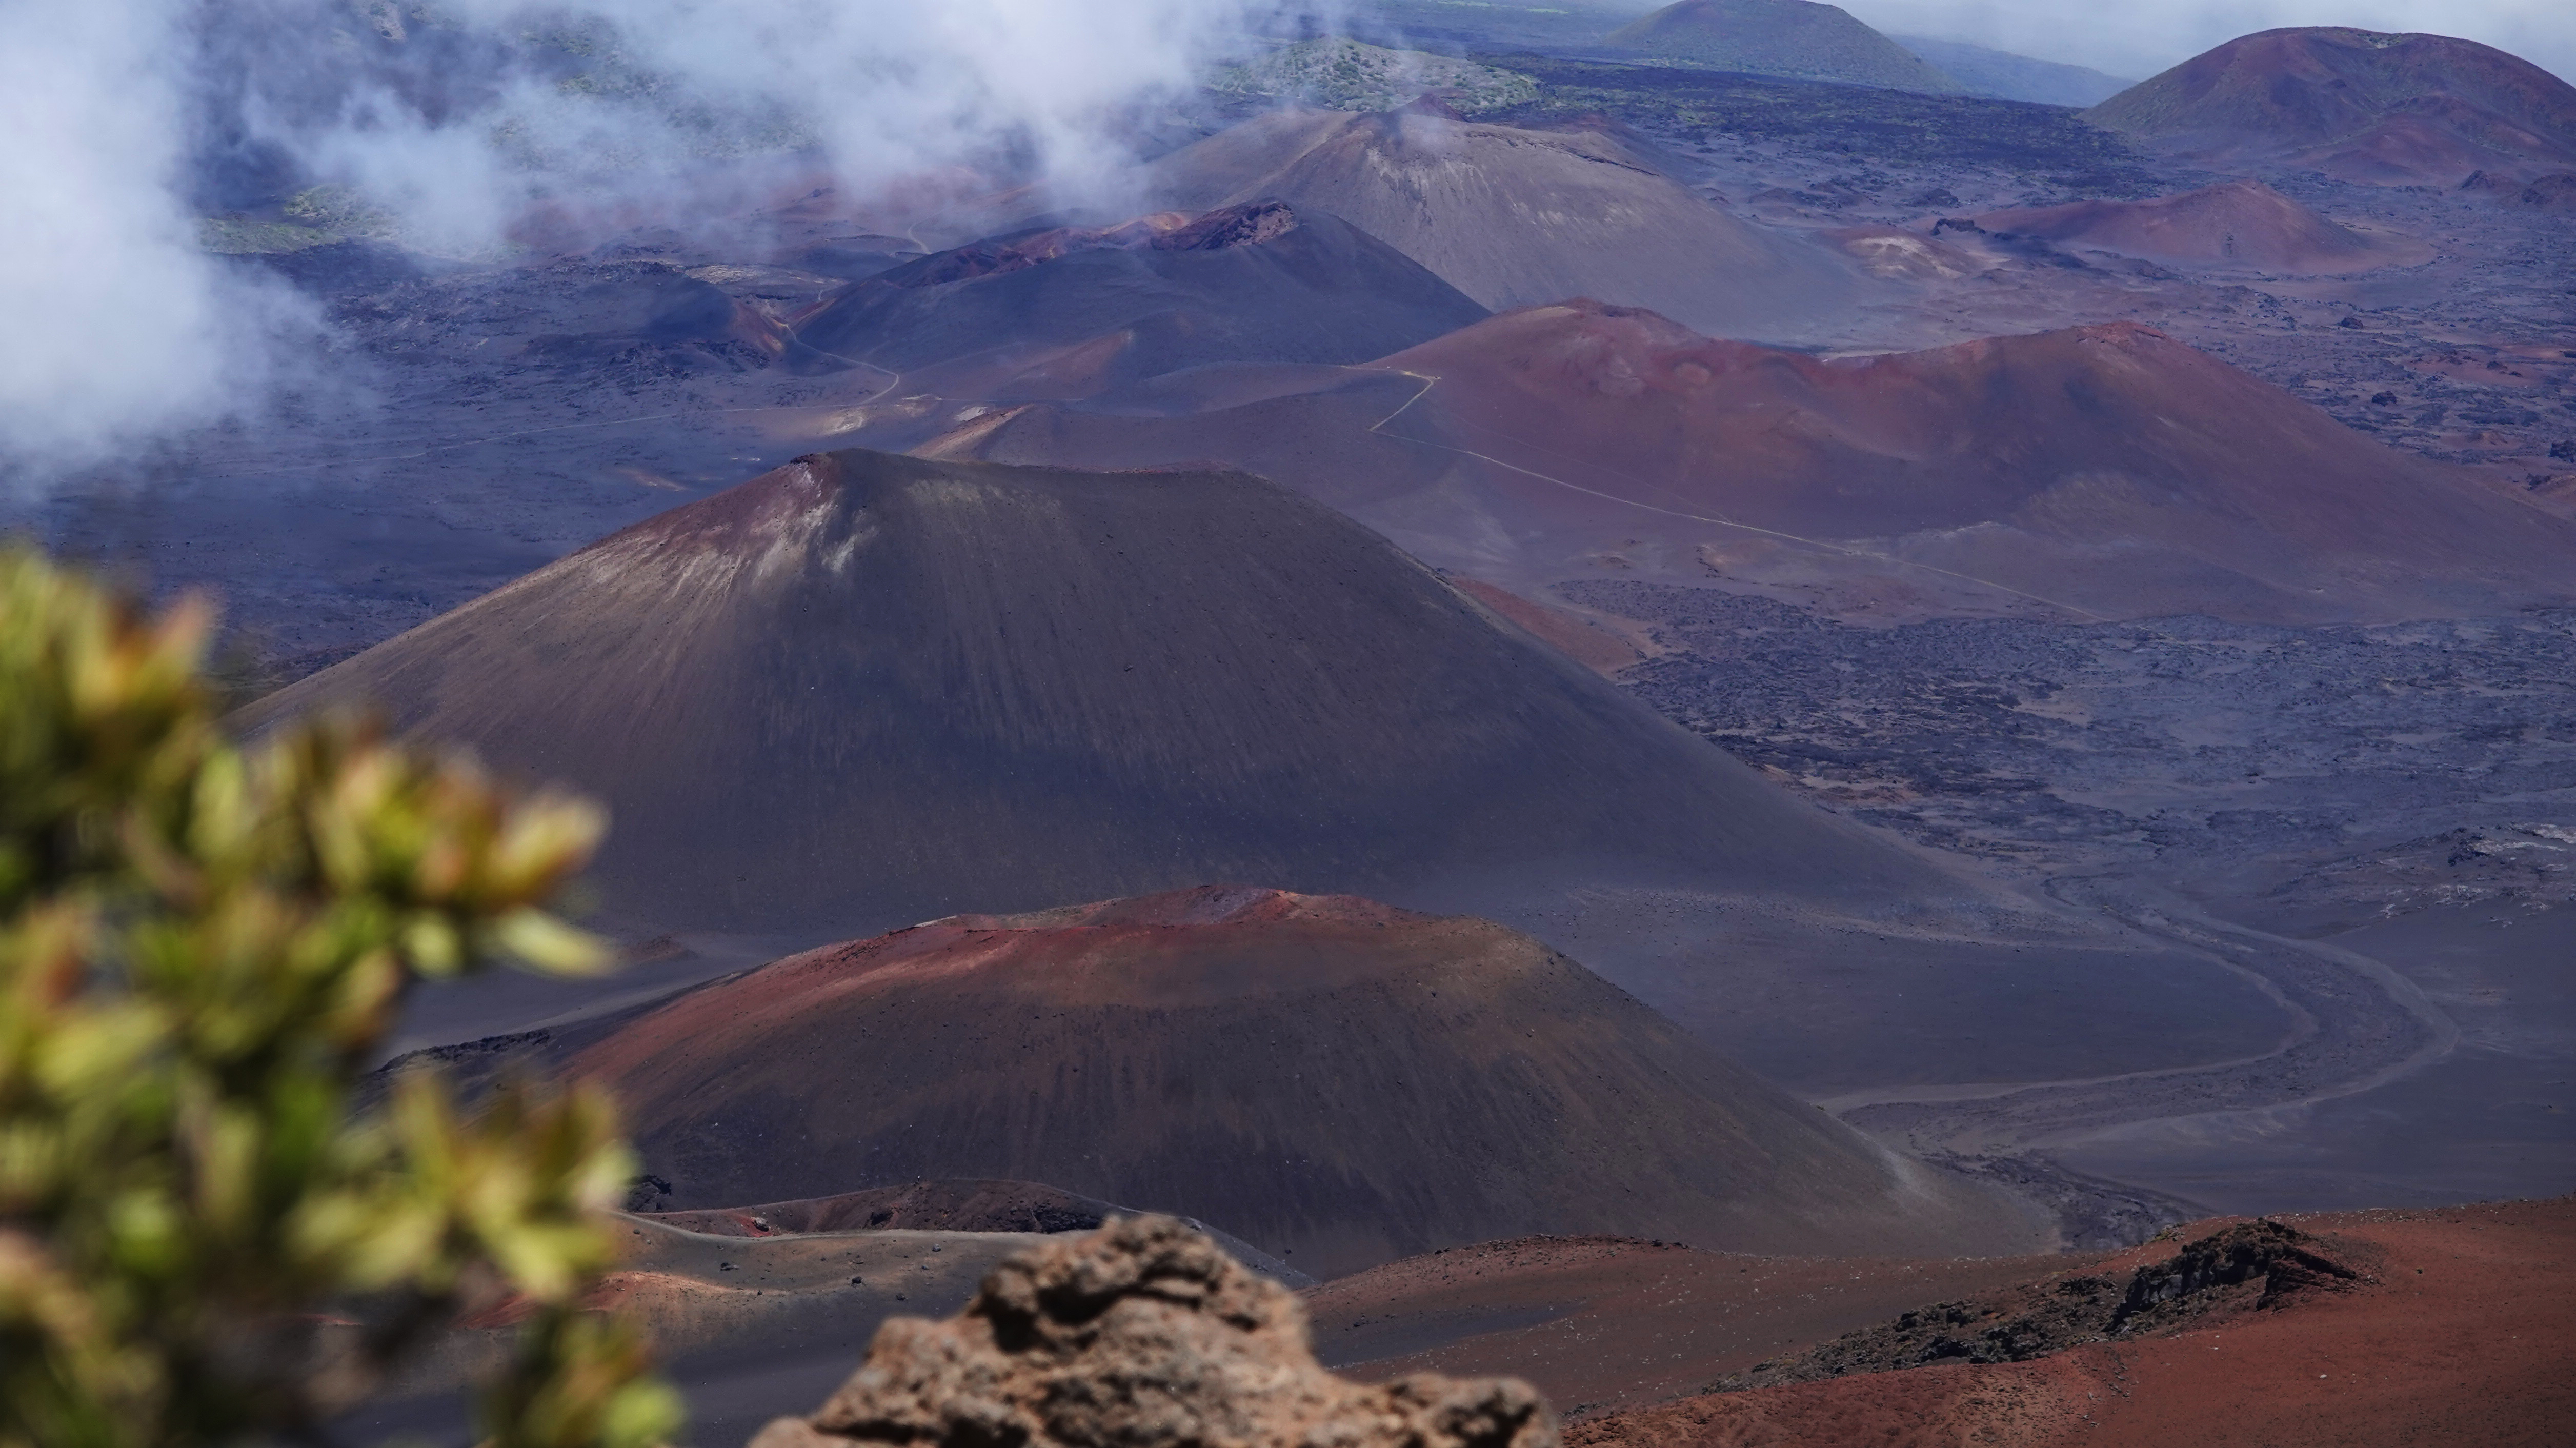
(1333, 1079)
(1513, 217)
(864, 690)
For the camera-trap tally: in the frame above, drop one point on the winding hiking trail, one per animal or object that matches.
(2355, 1025)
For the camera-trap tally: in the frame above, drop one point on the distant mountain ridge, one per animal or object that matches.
(1779, 37)
(2004, 76)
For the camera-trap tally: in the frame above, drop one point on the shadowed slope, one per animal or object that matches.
(1329, 1077)
(1067, 312)
(1779, 37)
(2234, 223)
(1513, 217)
(2102, 470)
(2356, 103)
(863, 690)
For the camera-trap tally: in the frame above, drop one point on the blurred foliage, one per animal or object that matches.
(202, 947)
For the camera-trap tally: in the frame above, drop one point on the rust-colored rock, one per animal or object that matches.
(1139, 1335)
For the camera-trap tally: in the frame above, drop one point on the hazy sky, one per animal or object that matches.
(2140, 37)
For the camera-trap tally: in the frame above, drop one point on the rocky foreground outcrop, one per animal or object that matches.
(1140, 1335)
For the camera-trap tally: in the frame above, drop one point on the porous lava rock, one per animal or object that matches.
(1140, 1335)
(2256, 1265)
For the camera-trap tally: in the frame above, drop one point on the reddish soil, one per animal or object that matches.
(2234, 223)
(1589, 642)
(1338, 1081)
(2105, 470)
(2459, 1334)
(2362, 105)
(1602, 1323)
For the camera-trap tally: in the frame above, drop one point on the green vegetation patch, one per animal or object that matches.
(230, 236)
(1341, 74)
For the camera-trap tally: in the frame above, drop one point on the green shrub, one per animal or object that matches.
(202, 948)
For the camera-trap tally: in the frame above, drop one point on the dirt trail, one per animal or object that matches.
(2356, 1025)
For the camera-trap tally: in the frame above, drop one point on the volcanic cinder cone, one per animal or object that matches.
(1513, 217)
(1331, 1078)
(1064, 312)
(2357, 103)
(2104, 471)
(865, 690)
(2234, 223)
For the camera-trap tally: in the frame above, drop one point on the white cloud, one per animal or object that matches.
(441, 111)
(117, 321)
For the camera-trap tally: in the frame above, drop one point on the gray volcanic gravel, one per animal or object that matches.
(2182, 745)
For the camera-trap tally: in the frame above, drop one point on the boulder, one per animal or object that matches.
(1143, 1334)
